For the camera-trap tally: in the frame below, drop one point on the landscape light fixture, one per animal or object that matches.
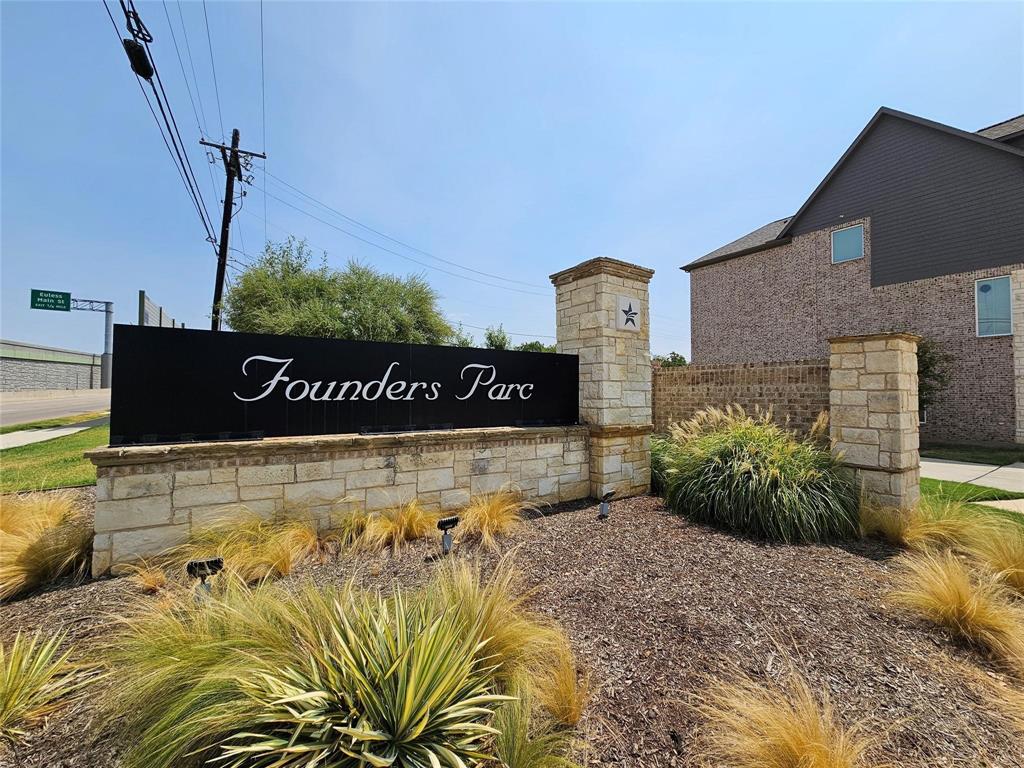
(202, 570)
(445, 525)
(603, 513)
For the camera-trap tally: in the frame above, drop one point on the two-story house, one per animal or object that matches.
(918, 227)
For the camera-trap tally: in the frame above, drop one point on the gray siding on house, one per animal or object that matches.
(938, 204)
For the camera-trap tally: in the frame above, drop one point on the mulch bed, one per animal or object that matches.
(656, 608)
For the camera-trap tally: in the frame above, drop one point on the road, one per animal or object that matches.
(1009, 478)
(16, 410)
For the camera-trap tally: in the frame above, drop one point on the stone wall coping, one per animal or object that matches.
(876, 337)
(150, 454)
(620, 430)
(603, 265)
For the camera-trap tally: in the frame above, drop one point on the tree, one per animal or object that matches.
(671, 360)
(496, 338)
(535, 346)
(460, 338)
(932, 372)
(282, 293)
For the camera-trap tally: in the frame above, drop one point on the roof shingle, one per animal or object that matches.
(758, 237)
(1005, 128)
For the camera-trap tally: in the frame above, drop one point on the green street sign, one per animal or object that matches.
(56, 300)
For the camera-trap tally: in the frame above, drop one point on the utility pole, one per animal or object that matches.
(232, 170)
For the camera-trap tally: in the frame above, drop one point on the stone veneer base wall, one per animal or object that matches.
(797, 390)
(149, 498)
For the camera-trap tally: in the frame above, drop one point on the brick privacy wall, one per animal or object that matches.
(149, 498)
(798, 390)
(21, 375)
(786, 302)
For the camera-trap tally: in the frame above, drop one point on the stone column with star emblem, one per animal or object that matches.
(603, 316)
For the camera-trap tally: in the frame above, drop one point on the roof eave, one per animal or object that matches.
(703, 262)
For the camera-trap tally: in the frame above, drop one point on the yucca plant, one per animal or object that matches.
(43, 537)
(252, 547)
(974, 604)
(395, 526)
(35, 679)
(258, 676)
(750, 724)
(492, 515)
(526, 741)
(746, 474)
(393, 684)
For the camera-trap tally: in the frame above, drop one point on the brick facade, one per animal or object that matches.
(784, 303)
(797, 390)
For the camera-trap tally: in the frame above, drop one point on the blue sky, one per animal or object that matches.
(518, 139)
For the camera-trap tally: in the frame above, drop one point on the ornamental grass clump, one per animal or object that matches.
(973, 603)
(492, 515)
(252, 548)
(750, 724)
(43, 536)
(258, 676)
(35, 679)
(525, 740)
(744, 473)
(395, 526)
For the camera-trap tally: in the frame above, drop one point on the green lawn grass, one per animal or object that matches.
(60, 421)
(945, 490)
(53, 463)
(975, 454)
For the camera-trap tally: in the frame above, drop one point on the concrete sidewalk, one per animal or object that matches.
(29, 436)
(1009, 478)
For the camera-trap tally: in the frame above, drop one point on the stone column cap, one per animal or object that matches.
(603, 265)
(877, 337)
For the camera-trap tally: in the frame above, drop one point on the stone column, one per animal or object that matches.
(603, 316)
(1017, 314)
(874, 414)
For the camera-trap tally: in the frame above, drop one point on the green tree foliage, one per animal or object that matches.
(496, 338)
(535, 346)
(461, 338)
(932, 372)
(671, 360)
(282, 293)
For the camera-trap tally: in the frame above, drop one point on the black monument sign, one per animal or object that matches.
(173, 385)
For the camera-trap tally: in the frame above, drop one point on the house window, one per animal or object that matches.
(992, 306)
(848, 244)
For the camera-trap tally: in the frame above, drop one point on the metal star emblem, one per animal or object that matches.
(630, 314)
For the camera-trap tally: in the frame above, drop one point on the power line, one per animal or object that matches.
(263, 93)
(168, 137)
(510, 333)
(181, 63)
(192, 66)
(213, 67)
(396, 240)
(397, 253)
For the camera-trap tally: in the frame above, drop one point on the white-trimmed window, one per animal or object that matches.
(992, 306)
(848, 244)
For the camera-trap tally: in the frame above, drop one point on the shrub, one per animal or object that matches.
(34, 681)
(746, 474)
(259, 677)
(43, 536)
(976, 607)
(493, 515)
(393, 527)
(253, 548)
(563, 691)
(522, 742)
(766, 725)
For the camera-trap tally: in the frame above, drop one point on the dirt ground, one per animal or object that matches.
(656, 608)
